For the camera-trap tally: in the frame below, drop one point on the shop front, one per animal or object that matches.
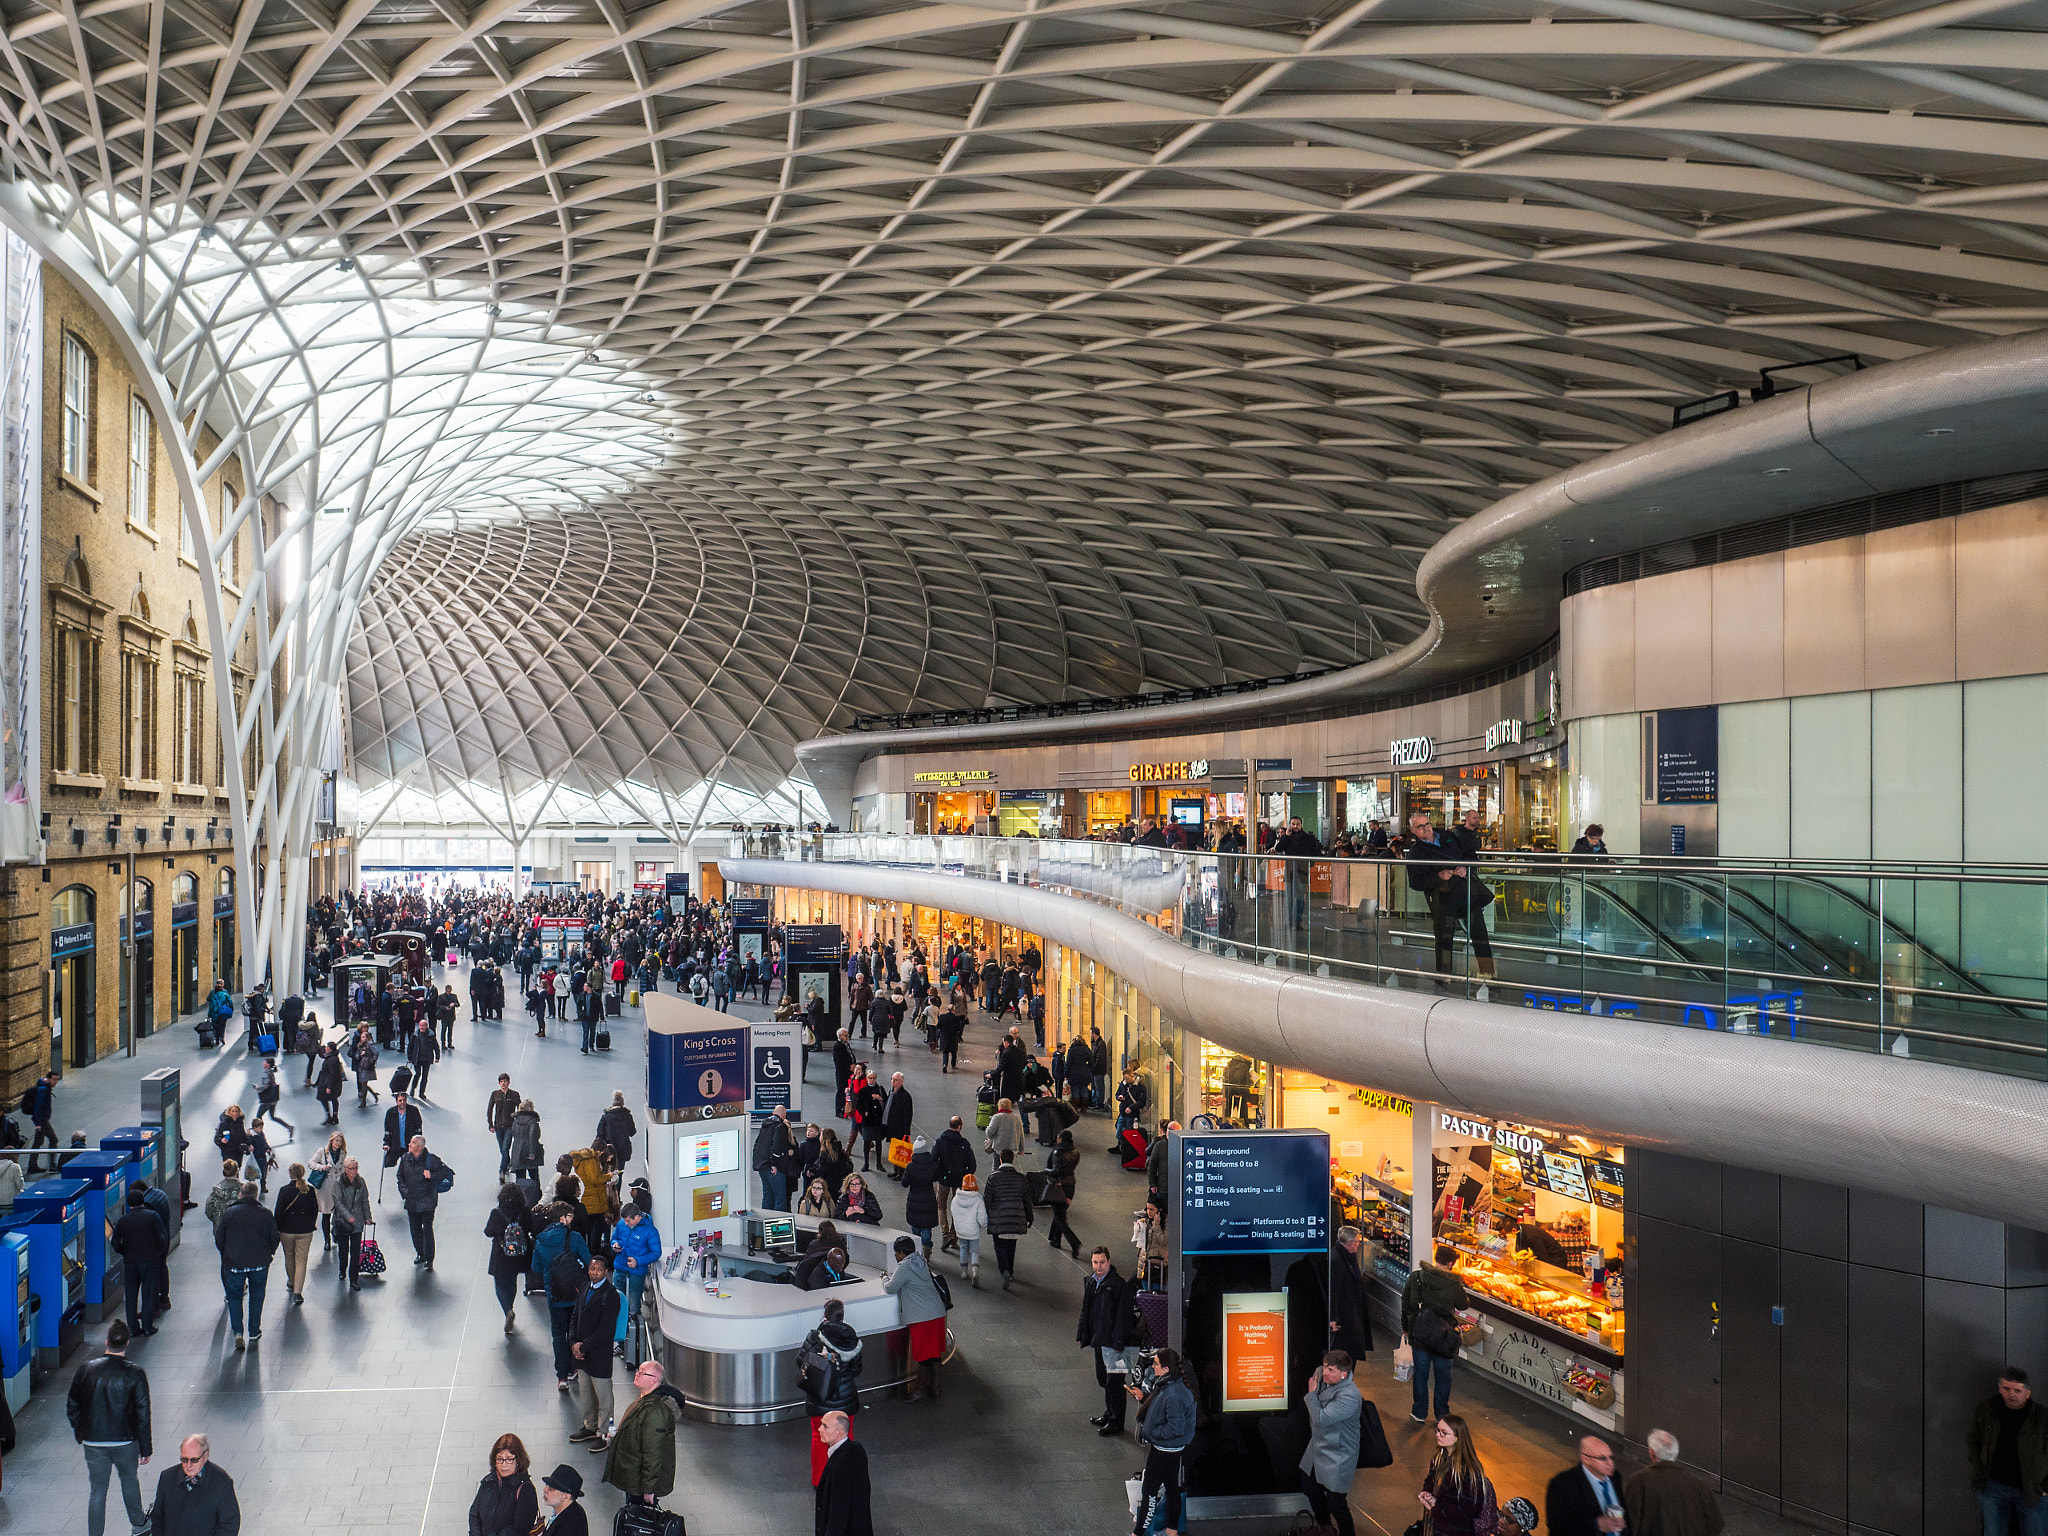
(950, 801)
(1533, 1216)
(1028, 813)
(185, 942)
(72, 941)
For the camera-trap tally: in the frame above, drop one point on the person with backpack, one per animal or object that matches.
(1331, 1460)
(1430, 1304)
(220, 1008)
(39, 1103)
(422, 1179)
(829, 1368)
(511, 1247)
(560, 1258)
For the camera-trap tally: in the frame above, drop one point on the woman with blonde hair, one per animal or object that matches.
(1005, 1130)
(817, 1200)
(1457, 1496)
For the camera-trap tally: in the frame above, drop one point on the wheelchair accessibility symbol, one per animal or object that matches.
(774, 1065)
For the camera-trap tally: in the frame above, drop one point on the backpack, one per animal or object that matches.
(565, 1275)
(512, 1241)
(28, 1102)
(818, 1370)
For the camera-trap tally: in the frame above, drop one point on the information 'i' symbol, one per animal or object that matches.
(709, 1084)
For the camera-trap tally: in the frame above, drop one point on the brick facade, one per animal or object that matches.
(129, 720)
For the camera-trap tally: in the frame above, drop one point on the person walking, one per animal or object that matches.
(641, 1463)
(421, 1179)
(1008, 1199)
(1577, 1500)
(828, 1369)
(323, 1176)
(968, 1217)
(922, 1309)
(402, 1122)
(561, 1260)
(498, 1112)
(422, 1050)
(1166, 1423)
(844, 1497)
(1106, 1329)
(39, 1103)
(247, 1238)
(1350, 1327)
(1430, 1304)
(196, 1497)
(328, 1082)
(2007, 1446)
(1663, 1499)
(955, 1155)
(1457, 1496)
(349, 1218)
(108, 1406)
(363, 1059)
(1331, 1460)
(524, 1144)
(511, 1242)
(298, 1216)
(505, 1502)
(1063, 1162)
(592, 1326)
(145, 1247)
(560, 1490)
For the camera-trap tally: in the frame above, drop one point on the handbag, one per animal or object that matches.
(317, 1177)
(1429, 1331)
(1373, 1450)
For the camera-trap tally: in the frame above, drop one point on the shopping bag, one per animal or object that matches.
(1373, 1450)
(899, 1152)
(1404, 1362)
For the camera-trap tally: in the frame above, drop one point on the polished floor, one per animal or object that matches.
(373, 1413)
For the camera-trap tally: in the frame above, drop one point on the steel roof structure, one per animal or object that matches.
(994, 349)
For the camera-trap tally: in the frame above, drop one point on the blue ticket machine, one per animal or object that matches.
(106, 1176)
(50, 1213)
(17, 1320)
(145, 1143)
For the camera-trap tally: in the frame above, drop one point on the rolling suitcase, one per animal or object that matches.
(647, 1520)
(611, 1005)
(604, 1039)
(1135, 1147)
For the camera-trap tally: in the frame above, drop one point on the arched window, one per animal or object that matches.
(76, 572)
(145, 898)
(224, 884)
(184, 890)
(138, 602)
(71, 907)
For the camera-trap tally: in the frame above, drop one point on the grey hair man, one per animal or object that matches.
(1666, 1500)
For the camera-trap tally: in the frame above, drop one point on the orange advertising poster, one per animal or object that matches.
(1254, 1351)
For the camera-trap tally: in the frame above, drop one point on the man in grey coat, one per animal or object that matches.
(1331, 1460)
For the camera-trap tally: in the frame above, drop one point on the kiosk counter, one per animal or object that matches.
(733, 1324)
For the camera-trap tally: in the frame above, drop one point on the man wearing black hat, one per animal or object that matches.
(560, 1490)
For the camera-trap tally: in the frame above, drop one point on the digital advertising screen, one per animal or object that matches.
(708, 1152)
(1255, 1352)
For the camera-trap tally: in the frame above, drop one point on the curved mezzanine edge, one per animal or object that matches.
(1920, 1130)
(1492, 584)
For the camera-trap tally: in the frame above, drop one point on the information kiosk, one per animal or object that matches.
(106, 1176)
(50, 1213)
(1250, 1272)
(17, 1320)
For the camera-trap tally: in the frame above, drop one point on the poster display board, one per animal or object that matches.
(1255, 1352)
(777, 1068)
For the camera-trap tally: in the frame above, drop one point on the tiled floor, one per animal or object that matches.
(374, 1412)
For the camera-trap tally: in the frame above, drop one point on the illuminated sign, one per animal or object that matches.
(1503, 733)
(953, 778)
(1255, 1352)
(1167, 773)
(1412, 751)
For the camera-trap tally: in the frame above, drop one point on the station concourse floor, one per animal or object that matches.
(374, 1412)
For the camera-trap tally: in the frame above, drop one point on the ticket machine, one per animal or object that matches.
(106, 1176)
(145, 1144)
(17, 1320)
(50, 1213)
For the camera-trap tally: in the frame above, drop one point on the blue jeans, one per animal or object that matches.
(924, 1237)
(774, 1190)
(589, 1031)
(629, 1285)
(2006, 1509)
(1425, 1364)
(233, 1281)
(559, 1319)
(505, 1149)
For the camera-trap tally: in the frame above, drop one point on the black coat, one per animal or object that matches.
(504, 1506)
(1570, 1507)
(1106, 1312)
(246, 1236)
(920, 1203)
(843, 1493)
(209, 1508)
(397, 1136)
(956, 1157)
(109, 1400)
(139, 1237)
(896, 1113)
(1353, 1332)
(615, 1129)
(592, 1325)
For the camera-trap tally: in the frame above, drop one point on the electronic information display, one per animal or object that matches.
(1255, 1192)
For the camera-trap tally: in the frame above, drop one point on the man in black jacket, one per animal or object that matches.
(842, 1069)
(420, 1175)
(1105, 1328)
(140, 1239)
(1350, 1327)
(896, 1117)
(844, 1494)
(247, 1238)
(422, 1050)
(591, 1327)
(401, 1123)
(956, 1161)
(1297, 846)
(1436, 872)
(1578, 1498)
(195, 1498)
(952, 1026)
(1468, 837)
(108, 1406)
(772, 1147)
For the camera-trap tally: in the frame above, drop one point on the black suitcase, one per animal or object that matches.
(611, 1005)
(647, 1520)
(604, 1039)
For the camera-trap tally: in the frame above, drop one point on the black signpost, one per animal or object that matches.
(1688, 756)
(814, 965)
(1249, 1278)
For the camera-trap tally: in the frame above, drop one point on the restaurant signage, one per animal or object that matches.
(953, 778)
(1167, 773)
(1503, 733)
(1412, 751)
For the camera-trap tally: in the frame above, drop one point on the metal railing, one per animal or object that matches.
(1936, 961)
